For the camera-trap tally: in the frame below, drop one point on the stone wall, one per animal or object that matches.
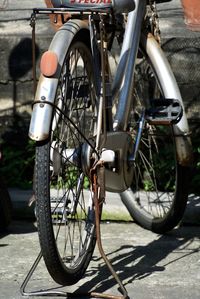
(16, 87)
(182, 48)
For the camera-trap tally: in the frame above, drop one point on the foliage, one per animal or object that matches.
(17, 165)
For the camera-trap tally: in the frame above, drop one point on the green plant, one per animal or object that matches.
(17, 164)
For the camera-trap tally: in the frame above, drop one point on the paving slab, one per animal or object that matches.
(151, 266)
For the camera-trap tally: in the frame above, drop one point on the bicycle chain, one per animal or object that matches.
(154, 20)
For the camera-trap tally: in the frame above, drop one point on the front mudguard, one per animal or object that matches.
(47, 86)
(170, 90)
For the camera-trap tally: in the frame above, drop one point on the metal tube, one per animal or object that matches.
(125, 96)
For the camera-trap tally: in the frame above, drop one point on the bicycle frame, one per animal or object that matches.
(142, 149)
(126, 67)
(46, 91)
(125, 73)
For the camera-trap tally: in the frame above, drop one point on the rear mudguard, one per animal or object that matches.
(46, 90)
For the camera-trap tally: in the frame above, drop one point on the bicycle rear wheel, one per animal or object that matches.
(158, 195)
(65, 210)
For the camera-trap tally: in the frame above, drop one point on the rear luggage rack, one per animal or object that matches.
(64, 10)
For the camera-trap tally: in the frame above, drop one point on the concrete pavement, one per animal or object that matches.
(150, 265)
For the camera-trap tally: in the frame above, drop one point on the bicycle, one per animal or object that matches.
(101, 129)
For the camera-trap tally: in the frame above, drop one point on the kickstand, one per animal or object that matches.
(92, 294)
(52, 293)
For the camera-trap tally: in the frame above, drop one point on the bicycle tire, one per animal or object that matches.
(158, 195)
(65, 209)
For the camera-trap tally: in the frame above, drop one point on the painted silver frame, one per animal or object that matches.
(125, 79)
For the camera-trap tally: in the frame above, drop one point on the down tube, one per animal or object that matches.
(170, 89)
(126, 67)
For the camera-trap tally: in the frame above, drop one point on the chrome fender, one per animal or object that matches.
(170, 90)
(47, 86)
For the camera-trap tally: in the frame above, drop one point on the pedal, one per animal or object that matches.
(164, 112)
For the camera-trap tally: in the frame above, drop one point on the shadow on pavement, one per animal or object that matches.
(19, 227)
(151, 254)
(135, 263)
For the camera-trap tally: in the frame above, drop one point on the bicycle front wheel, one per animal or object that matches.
(158, 195)
(65, 210)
